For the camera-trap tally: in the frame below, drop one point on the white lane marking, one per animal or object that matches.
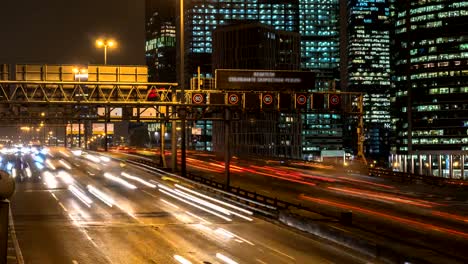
(198, 217)
(53, 195)
(260, 261)
(279, 252)
(150, 194)
(19, 255)
(169, 203)
(234, 235)
(63, 207)
(74, 262)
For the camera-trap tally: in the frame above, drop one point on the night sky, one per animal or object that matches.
(64, 32)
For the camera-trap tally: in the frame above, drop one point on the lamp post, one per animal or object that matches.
(79, 74)
(182, 86)
(105, 43)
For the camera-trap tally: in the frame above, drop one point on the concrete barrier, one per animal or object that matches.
(383, 252)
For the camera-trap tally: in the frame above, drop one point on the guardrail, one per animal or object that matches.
(416, 178)
(246, 197)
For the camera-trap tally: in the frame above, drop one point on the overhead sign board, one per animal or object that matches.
(113, 112)
(99, 128)
(144, 112)
(264, 80)
(75, 129)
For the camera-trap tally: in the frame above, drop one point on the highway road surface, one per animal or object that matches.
(75, 208)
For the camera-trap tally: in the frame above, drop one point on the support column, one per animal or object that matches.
(400, 165)
(174, 135)
(405, 163)
(183, 148)
(65, 143)
(227, 152)
(105, 128)
(462, 168)
(412, 164)
(451, 166)
(440, 166)
(420, 165)
(430, 165)
(79, 133)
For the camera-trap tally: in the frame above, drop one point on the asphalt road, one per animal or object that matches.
(429, 217)
(70, 209)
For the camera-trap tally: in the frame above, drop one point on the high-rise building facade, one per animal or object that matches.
(315, 20)
(160, 45)
(368, 68)
(431, 87)
(255, 46)
(318, 26)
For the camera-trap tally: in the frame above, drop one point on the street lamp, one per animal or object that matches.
(105, 43)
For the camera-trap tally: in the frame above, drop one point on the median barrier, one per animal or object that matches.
(357, 240)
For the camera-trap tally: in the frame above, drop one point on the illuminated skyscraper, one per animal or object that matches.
(160, 45)
(368, 68)
(315, 20)
(431, 87)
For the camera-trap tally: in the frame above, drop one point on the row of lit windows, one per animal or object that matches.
(430, 141)
(446, 90)
(426, 75)
(438, 132)
(440, 57)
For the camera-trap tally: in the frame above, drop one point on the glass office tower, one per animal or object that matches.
(368, 46)
(431, 88)
(315, 20)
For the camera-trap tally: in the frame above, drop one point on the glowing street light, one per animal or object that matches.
(105, 43)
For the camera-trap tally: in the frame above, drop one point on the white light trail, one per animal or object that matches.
(131, 177)
(195, 205)
(49, 180)
(65, 154)
(213, 199)
(77, 152)
(195, 199)
(80, 195)
(65, 164)
(101, 196)
(225, 259)
(182, 260)
(211, 205)
(50, 165)
(28, 172)
(200, 201)
(119, 180)
(93, 158)
(66, 177)
(104, 158)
